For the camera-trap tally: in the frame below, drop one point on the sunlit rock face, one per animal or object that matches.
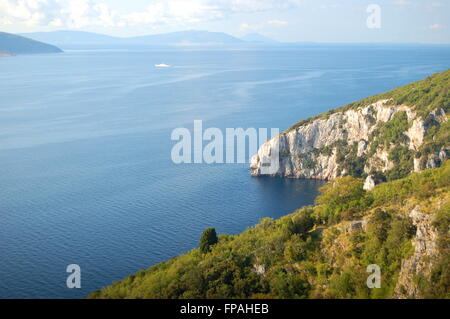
(320, 148)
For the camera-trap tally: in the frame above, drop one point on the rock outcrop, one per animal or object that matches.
(350, 142)
(369, 183)
(423, 259)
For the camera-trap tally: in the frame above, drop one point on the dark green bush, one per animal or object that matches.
(208, 239)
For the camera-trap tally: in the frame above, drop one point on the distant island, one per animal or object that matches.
(11, 44)
(386, 207)
(190, 38)
(258, 38)
(81, 40)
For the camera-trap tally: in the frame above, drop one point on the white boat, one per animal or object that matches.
(162, 65)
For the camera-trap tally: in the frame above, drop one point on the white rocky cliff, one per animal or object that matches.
(318, 148)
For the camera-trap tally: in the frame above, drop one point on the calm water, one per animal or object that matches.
(85, 169)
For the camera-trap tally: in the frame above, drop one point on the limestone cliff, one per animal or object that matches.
(356, 142)
(383, 137)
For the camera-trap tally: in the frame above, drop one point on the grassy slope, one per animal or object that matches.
(309, 254)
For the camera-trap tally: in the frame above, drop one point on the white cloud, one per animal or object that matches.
(421, 3)
(249, 27)
(436, 26)
(189, 11)
(83, 13)
(277, 22)
(403, 2)
(174, 12)
(5, 21)
(28, 12)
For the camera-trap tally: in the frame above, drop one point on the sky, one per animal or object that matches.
(419, 21)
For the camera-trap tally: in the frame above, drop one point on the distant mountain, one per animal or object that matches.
(187, 38)
(258, 38)
(11, 44)
(64, 38)
(68, 39)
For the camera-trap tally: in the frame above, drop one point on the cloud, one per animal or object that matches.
(191, 11)
(5, 21)
(277, 22)
(175, 12)
(402, 2)
(249, 27)
(421, 3)
(436, 26)
(68, 13)
(28, 12)
(84, 13)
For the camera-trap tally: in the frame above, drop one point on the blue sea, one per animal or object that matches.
(86, 175)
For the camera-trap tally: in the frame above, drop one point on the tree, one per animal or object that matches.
(208, 239)
(380, 224)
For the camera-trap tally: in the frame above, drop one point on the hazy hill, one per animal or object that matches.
(15, 44)
(258, 38)
(62, 38)
(87, 39)
(187, 38)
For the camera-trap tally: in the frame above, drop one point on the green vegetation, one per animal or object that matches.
(438, 285)
(348, 160)
(437, 138)
(425, 96)
(208, 239)
(391, 132)
(390, 135)
(308, 161)
(316, 252)
(342, 199)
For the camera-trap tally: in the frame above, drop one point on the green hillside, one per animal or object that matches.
(321, 251)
